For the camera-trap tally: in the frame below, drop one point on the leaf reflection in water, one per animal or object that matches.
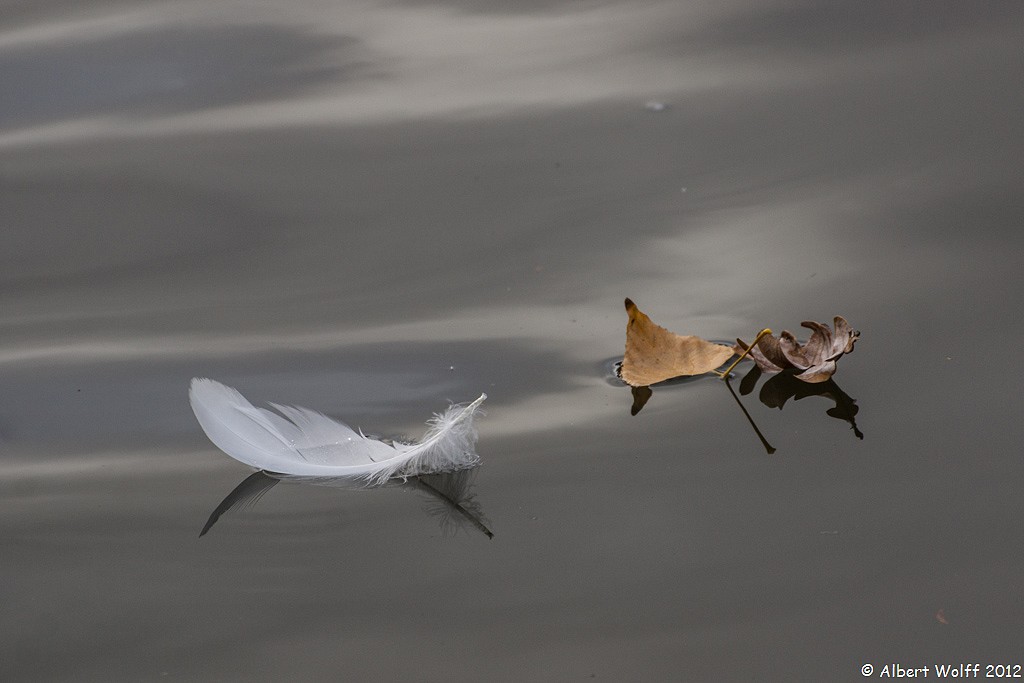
(451, 500)
(784, 386)
(774, 394)
(764, 442)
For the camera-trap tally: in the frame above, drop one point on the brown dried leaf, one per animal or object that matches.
(766, 354)
(816, 358)
(653, 354)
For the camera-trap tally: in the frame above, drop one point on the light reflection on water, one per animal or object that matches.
(375, 207)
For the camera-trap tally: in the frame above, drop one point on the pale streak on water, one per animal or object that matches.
(374, 208)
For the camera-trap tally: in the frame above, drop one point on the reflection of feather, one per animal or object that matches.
(244, 495)
(455, 507)
(309, 444)
(457, 504)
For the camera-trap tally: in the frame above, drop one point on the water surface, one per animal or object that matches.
(375, 208)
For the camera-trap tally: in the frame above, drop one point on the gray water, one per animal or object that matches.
(375, 208)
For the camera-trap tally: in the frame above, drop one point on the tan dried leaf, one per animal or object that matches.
(653, 354)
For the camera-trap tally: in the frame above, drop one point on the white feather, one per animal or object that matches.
(306, 443)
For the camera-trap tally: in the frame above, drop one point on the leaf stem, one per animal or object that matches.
(725, 375)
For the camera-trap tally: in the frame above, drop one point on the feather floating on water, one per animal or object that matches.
(306, 443)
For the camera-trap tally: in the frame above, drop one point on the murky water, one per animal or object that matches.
(373, 209)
